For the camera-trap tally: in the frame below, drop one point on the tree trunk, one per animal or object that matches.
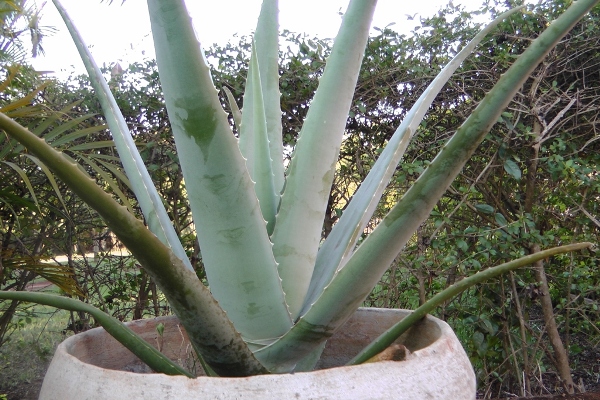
(562, 359)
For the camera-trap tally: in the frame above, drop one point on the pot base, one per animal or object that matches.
(90, 366)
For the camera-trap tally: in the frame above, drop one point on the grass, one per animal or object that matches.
(39, 329)
(25, 357)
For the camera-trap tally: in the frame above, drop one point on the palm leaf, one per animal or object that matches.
(60, 275)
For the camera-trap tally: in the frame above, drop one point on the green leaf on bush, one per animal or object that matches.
(512, 169)
(501, 220)
(484, 208)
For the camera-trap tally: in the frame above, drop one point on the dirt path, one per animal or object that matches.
(37, 286)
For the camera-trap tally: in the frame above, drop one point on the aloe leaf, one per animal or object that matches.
(138, 346)
(389, 336)
(266, 38)
(308, 182)
(232, 233)
(142, 185)
(210, 331)
(254, 144)
(342, 240)
(363, 270)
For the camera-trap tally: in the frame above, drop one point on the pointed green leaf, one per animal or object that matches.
(267, 52)
(73, 136)
(54, 117)
(92, 145)
(211, 332)
(146, 194)
(232, 233)
(254, 144)
(113, 169)
(62, 128)
(299, 224)
(24, 101)
(342, 240)
(373, 257)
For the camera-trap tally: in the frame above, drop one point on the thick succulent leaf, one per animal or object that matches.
(254, 144)
(300, 220)
(246, 127)
(266, 38)
(150, 202)
(232, 233)
(354, 282)
(342, 240)
(211, 332)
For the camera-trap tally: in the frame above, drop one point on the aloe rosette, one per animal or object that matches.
(276, 291)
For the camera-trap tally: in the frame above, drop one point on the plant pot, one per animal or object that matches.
(91, 365)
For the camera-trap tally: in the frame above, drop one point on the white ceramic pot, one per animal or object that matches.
(91, 366)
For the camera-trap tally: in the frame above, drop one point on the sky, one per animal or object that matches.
(121, 33)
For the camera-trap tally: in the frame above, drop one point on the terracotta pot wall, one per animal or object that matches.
(89, 366)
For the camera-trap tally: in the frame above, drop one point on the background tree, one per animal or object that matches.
(19, 19)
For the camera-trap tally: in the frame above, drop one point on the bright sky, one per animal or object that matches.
(121, 33)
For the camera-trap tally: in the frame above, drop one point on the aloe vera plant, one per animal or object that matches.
(276, 292)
